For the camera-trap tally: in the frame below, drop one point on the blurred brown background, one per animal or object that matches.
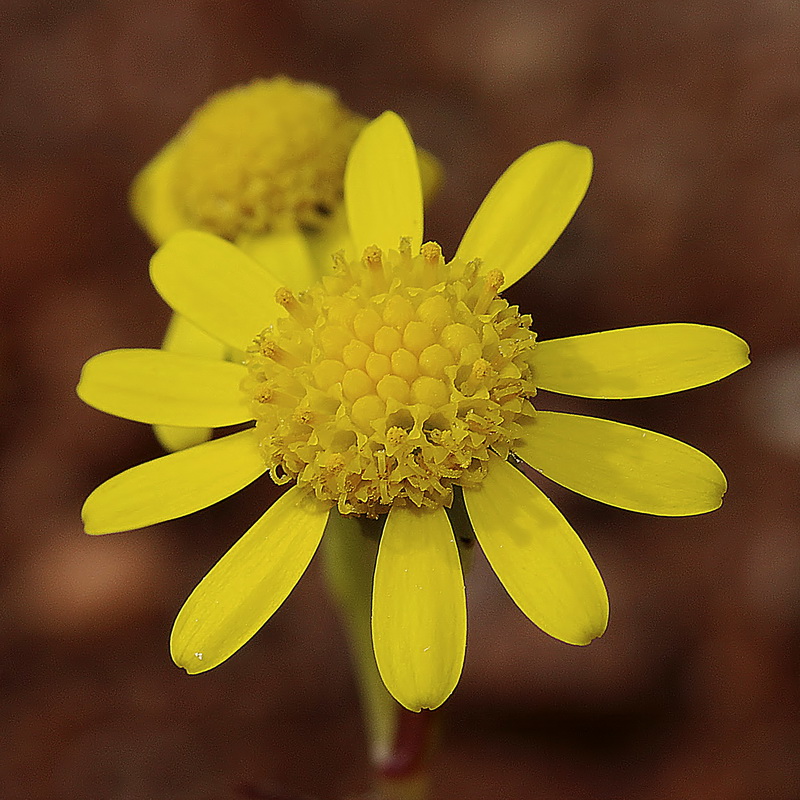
(692, 110)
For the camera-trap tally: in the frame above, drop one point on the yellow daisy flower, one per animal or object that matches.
(262, 165)
(380, 391)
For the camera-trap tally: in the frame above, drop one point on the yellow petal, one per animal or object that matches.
(152, 197)
(382, 188)
(163, 388)
(538, 557)
(528, 209)
(248, 584)
(419, 617)
(284, 255)
(216, 286)
(174, 485)
(638, 362)
(622, 465)
(184, 337)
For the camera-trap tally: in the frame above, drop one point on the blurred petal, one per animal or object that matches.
(248, 584)
(174, 485)
(419, 616)
(383, 193)
(539, 559)
(431, 174)
(528, 209)
(285, 256)
(163, 388)
(152, 197)
(638, 362)
(216, 286)
(622, 465)
(186, 338)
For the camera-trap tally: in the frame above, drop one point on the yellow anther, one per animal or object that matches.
(303, 416)
(396, 436)
(491, 285)
(285, 297)
(373, 262)
(273, 351)
(335, 463)
(339, 262)
(269, 394)
(481, 370)
(431, 252)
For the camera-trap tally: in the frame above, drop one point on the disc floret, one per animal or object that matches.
(391, 380)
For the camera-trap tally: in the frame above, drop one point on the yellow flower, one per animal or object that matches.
(262, 165)
(385, 387)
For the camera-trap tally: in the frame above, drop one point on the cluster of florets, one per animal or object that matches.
(262, 157)
(391, 380)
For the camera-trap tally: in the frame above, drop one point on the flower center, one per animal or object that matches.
(266, 156)
(391, 380)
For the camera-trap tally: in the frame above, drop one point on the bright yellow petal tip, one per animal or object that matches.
(248, 584)
(528, 209)
(537, 556)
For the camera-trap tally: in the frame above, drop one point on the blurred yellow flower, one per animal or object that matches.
(382, 389)
(262, 165)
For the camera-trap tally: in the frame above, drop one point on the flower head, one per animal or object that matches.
(269, 155)
(383, 389)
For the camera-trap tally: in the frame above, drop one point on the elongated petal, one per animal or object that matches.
(163, 388)
(284, 255)
(638, 362)
(382, 188)
(419, 616)
(152, 196)
(174, 485)
(186, 338)
(622, 465)
(216, 286)
(528, 209)
(538, 557)
(248, 584)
